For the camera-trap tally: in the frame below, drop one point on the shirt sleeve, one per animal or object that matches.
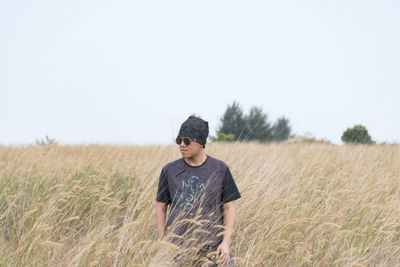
(163, 191)
(230, 191)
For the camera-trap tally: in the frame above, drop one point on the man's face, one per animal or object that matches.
(191, 150)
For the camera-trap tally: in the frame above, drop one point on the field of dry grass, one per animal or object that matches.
(301, 205)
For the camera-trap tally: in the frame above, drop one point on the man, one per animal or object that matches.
(200, 192)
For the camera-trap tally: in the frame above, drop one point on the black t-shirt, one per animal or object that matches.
(196, 193)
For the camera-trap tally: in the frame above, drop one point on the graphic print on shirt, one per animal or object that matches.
(190, 193)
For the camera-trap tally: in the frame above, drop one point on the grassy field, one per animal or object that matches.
(301, 205)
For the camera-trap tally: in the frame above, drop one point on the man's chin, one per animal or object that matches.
(185, 155)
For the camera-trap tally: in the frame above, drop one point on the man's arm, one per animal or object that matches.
(229, 221)
(161, 214)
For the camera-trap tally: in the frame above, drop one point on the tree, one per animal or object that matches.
(357, 135)
(235, 126)
(233, 122)
(257, 126)
(281, 129)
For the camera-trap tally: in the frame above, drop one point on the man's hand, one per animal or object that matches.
(223, 254)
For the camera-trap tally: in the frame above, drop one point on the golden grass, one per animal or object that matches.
(301, 205)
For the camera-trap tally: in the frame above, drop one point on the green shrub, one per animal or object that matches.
(222, 137)
(357, 135)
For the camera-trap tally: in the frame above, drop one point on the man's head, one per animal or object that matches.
(192, 136)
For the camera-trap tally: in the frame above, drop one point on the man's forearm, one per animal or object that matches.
(161, 211)
(229, 221)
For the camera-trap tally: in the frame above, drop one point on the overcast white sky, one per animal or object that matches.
(130, 72)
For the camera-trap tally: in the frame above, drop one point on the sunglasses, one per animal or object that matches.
(186, 140)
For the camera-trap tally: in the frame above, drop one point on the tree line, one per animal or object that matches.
(235, 125)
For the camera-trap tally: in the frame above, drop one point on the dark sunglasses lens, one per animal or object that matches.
(187, 141)
(178, 140)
